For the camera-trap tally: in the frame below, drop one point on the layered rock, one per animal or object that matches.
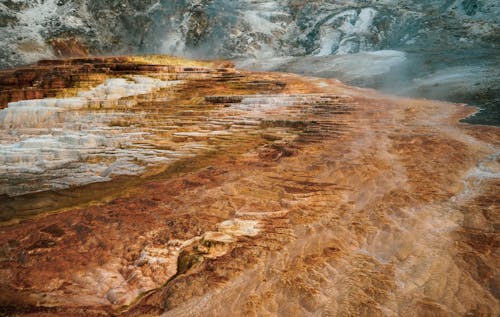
(62, 141)
(433, 49)
(251, 194)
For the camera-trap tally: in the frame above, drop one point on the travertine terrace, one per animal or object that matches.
(155, 186)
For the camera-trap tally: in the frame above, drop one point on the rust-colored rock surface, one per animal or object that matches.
(68, 47)
(202, 190)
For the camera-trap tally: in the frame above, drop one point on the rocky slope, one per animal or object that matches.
(437, 49)
(255, 194)
(244, 28)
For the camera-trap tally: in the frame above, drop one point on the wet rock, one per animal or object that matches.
(242, 193)
(54, 230)
(42, 244)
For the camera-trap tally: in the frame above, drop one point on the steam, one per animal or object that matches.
(414, 48)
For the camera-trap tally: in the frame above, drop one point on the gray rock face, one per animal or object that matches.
(244, 28)
(438, 37)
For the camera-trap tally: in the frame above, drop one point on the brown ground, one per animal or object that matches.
(325, 200)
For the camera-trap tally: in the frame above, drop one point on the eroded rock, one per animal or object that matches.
(281, 195)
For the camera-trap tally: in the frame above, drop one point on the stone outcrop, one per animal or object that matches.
(241, 28)
(216, 192)
(438, 50)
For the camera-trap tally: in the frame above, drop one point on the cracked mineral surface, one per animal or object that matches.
(148, 186)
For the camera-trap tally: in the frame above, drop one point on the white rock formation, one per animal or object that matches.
(56, 143)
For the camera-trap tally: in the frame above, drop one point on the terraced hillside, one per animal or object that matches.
(136, 186)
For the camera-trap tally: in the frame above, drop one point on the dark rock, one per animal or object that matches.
(42, 244)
